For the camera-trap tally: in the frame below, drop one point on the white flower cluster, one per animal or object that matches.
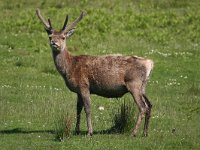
(168, 53)
(32, 86)
(172, 82)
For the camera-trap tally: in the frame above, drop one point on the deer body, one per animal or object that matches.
(107, 76)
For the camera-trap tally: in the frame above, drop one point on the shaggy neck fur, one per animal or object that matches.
(62, 60)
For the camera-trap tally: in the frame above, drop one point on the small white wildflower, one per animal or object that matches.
(169, 84)
(155, 117)
(56, 89)
(101, 108)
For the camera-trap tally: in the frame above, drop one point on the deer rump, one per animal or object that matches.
(106, 75)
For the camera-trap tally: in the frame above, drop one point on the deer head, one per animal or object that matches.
(57, 39)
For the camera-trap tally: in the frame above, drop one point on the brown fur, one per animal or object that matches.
(108, 76)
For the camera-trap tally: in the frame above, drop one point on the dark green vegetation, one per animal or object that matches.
(124, 119)
(33, 95)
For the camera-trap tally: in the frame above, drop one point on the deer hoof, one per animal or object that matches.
(77, 132)
(133, 135)
(145, 134)
(89, 134)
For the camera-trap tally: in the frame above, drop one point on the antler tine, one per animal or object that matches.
(72, 25)
(65, 23)
(47, 26)
(50, 25)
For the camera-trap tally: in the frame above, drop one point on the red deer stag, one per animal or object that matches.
(107, 76)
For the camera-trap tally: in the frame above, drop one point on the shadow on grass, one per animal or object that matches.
(18, 131)
(23, 131)
(112, 130)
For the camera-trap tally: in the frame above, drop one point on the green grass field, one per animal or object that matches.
(33, 95)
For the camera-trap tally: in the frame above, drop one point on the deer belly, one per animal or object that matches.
(108, 90)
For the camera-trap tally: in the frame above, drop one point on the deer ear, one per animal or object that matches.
(70, 32)
(49, 31)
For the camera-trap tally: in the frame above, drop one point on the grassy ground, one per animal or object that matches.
(33, 95)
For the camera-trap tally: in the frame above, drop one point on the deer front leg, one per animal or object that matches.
(87, 107)
(78, 115)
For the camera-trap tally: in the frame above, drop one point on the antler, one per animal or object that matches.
(65, 23)
(47, 25)
(49, 21)
(72, 25)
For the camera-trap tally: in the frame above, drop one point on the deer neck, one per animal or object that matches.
(62, 61)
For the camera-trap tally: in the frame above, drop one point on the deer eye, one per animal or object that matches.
(63, 38)
(50, 36)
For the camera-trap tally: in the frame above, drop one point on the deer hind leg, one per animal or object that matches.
(87, 107)
(136, 91)
(78, 111)
(147, 115)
